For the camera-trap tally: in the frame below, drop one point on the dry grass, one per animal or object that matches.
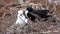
(7, 25)
(38, 27)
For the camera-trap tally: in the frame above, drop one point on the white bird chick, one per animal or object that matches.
(21, 20)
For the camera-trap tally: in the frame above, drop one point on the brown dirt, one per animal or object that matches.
(58, 9)
(7, 25)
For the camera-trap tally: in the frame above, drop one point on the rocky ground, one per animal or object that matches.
(39, 27)
(8, 26)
